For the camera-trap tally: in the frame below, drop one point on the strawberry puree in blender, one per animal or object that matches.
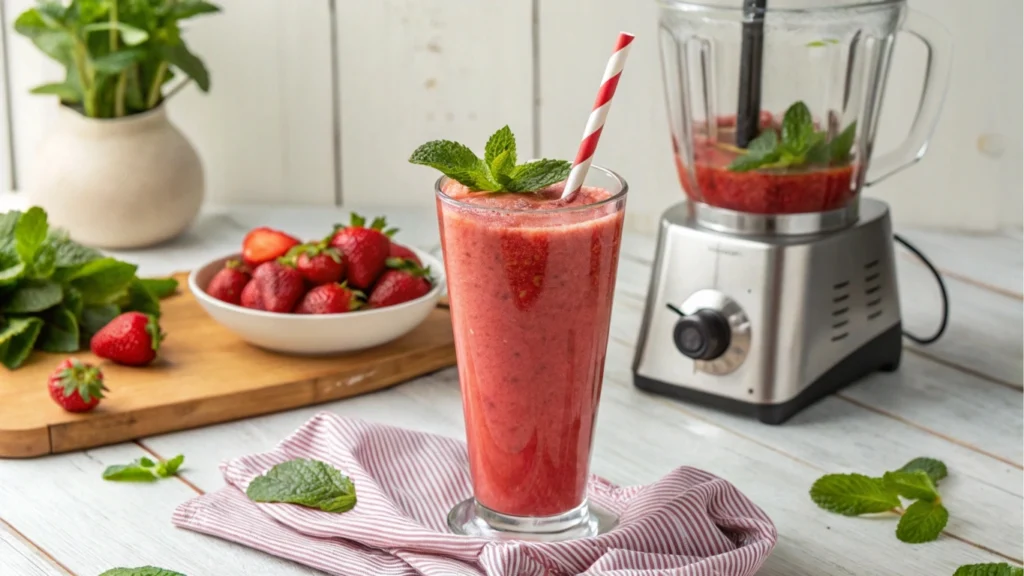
(531, 295)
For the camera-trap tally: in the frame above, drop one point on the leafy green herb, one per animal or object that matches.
(144, 470)
(309, 483)
(856, 494)
(1000, 569)
(117, 54)
(497, 171)
(823, 42)
(141, 571)
(55, 294)
(800, 144)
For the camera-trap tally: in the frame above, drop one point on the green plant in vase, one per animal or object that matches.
(117, 54)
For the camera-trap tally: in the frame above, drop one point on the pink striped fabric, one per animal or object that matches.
(688, 523)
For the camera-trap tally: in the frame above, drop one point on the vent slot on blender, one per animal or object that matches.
(840, 310)
(872, 286)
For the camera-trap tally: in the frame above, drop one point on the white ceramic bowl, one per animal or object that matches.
(317, 333)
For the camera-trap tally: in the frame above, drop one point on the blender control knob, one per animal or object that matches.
(703, 335)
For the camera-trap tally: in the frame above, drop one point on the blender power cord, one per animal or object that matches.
(942, 290)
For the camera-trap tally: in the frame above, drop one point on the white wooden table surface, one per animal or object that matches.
(959, 400)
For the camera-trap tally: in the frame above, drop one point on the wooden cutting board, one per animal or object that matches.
(204, 375)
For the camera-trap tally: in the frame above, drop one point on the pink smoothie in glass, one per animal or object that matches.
(530, 279)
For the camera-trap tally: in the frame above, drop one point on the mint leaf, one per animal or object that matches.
(10, 271)
(456, 162)
(765, 142)
(916, 485)
(93, 318)
(840, 147)
(141, 571)
(500, 152)
(69, 253)
(139, 299)
(160, 287)
(752, 161)
(853, 494)
(72, 301)
(45, 262)
(935, 469)
(143, 470)
(29, 234)
(60, 332)
(534, 176)
(797, 129)
(32, 296)
(310, 483)
(17, 337)
(922, 522)
(1000, 569)
(8, 221)
(103, 281)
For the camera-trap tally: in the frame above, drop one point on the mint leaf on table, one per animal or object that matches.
(497, 171)
(160, 287)
(144, 470)
(33, 296)
(853, 494)
(17, 336)
(309, 483)
(922, 521)
(916, 485)
(1000, 569)
(141, 571)
(935, 469)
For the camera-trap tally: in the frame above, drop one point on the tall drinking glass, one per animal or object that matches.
(530, 281)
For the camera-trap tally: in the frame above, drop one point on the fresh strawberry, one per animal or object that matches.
(329, 299)
(251, 297)
(399, 251)
(318, 263)
(76, 386)
(131, 339)
(366, 250)
(229, 281)
(280, 286)
(400, 284)
(265, 244)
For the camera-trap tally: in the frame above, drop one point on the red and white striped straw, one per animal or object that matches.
(595, 123)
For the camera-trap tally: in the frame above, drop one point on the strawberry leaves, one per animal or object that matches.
(497, 171)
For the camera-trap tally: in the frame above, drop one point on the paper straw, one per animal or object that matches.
(595, 123)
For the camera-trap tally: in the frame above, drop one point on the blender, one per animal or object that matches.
(774, 281)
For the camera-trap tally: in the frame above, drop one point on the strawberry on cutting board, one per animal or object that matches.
(329, 299)
(318, 262)
(229, 281)
(265, 244)
(76, 386)
(131, 339)
(366, 250)
(403, 281)
(276, 287)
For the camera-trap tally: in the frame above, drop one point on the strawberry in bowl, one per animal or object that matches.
(351, 290)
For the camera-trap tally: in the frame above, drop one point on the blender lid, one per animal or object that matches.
(776, 5)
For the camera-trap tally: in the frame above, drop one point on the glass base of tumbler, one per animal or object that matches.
(470, 518)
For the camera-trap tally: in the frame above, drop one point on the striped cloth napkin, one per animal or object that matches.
(688, 523)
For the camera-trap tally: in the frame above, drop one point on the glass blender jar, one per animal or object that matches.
(774, 106)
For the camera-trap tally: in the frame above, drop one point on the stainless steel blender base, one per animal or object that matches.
(802, 315)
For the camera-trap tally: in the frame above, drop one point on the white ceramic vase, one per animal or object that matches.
(117, 183)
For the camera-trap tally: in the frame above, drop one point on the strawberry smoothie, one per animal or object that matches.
(530, 279)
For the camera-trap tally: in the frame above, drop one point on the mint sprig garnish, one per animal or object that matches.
(309, 483)
(857, 494)
(799, 145)
(144, 470)
(1000, 569)
(497, 171)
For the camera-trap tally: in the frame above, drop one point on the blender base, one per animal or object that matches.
(881, 354)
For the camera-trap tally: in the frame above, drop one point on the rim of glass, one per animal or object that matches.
(701, 6)
(623, 188)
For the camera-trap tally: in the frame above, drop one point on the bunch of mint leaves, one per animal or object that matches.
(309, 483)
(141, 571)
(55, 293)
(857, 494)
(799, 145)
(144, 470)
(497, 171)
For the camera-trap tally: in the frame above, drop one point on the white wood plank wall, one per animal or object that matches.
(296, 117)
